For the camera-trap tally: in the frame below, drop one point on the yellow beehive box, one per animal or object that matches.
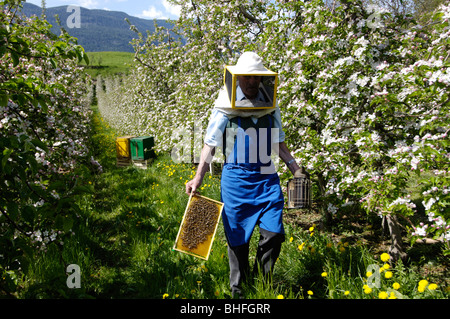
(198, 227)
(123, 146)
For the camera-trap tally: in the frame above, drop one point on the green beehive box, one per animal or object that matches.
(141, 148)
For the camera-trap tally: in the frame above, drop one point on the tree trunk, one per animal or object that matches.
(326, 215)
(397, 250)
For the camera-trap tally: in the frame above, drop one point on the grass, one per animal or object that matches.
(127, 227)
(108, 63)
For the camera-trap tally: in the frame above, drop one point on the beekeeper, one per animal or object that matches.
(250, 186)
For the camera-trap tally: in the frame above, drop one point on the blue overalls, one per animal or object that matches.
(250, 197)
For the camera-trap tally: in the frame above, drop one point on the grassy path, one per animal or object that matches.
(128, 224)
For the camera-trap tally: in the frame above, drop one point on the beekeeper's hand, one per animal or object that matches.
(193, 185)
(205, 158)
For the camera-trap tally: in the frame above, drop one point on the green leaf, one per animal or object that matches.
(6, 154)
(28, 214)
(13, 210)
(3, 99)
(67, 223)
(86, 58)
(40, 144)
(15, 58)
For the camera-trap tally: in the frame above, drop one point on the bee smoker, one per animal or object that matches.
(299, 190)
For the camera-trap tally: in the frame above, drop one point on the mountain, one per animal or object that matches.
(100, 30)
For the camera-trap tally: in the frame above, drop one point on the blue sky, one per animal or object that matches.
(147, 9)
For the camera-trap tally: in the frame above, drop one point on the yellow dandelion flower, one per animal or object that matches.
(386, 266)
(165, 295)
(324, 274)
(291, 239)
(388, 274)
(368, 290)
(422, 285)
(280, 297)
(368, 274)
(385, 257)
(432, 286)
(383, 295)
(392, 295)
(396, 285)
(311, 229)
(310, 293)
(346, 293)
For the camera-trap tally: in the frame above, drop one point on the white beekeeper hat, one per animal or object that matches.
(250, 63)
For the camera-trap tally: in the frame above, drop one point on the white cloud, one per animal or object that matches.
(90, 4)
(172, 9)
(152, 13)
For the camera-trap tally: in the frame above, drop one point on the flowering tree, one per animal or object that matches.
(44, 130)
(363, 115)
(363, 94)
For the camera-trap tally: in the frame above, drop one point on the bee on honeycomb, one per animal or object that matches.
(199, 223)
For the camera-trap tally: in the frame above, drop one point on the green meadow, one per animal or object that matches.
(128, 223)
(108, 63)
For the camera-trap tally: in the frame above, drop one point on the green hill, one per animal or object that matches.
(100, 30)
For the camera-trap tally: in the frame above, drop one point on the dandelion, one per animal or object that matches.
(300, 247)
(291, 239)
(368, 274)
(311, 229)
(385, 257)
(346, 293)
(396, 285)
(310, 293)
(422, 285)
(280, 297)
(383, 295)
(432, 286)
(165, 295)
(367, 289)
(388, 274)
(324, 274)
(392, 295)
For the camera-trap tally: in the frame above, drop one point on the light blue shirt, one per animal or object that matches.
(218, 122)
